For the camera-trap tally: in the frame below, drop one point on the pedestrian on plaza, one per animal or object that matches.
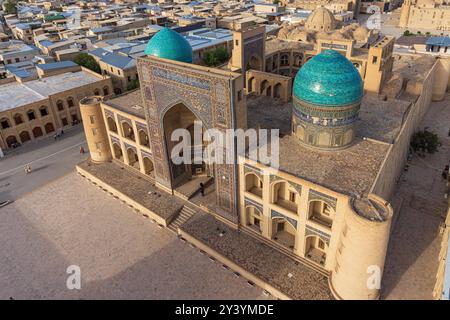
(62, 132)
(81, 150)
(202, 189)
(445, 172)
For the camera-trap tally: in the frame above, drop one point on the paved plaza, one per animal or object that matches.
(122, 255)
(48, 159)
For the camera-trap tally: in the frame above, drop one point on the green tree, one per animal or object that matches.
(87, 61)
(425, 141)
(133, 84)
(407, 33)
(10, 6)
(276, 1)
(215, 57)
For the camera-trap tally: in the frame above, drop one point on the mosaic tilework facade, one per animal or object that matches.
(207, 95)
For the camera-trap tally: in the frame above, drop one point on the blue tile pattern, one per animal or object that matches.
(169, 44)
(328, 79)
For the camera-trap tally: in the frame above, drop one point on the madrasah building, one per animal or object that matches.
(343, 144)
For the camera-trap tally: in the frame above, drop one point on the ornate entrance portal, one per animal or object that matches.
(180, 117)
(175, 95)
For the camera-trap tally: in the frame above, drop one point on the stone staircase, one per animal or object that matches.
(285, 251)
(185, 214)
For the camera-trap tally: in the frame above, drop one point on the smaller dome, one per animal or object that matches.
(321, 19)
(169, 44)
(361, 33)
(328, 79)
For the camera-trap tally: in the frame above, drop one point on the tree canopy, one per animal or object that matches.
(425, 141)
(215, 57)
(87, 61)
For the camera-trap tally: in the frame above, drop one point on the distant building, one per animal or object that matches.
(425, 15)
(36, 108)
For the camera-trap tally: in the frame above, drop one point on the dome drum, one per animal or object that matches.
(306, 110)
(327, 95)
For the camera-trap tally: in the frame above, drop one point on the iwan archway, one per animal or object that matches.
(179, 116)
(176, 94)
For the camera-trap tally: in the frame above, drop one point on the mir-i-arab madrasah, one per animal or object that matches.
(316, 227)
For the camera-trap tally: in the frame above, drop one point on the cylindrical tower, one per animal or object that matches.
(95, 129)
(362, 250)
(327, 95)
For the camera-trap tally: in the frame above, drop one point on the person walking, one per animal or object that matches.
(81, 150)
(202, 189)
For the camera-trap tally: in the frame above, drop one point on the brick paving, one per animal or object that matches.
(122, 255)
(259, 259)
(134, 186)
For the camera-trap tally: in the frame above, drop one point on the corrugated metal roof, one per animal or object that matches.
(439, 41)
(56, 65)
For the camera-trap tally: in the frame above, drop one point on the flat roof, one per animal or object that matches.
(351, 171)
(130, 102)
(13, 95)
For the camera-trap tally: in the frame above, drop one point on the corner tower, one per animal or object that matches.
(327, 95)
(95, 129)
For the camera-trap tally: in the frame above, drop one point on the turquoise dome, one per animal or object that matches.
(169, 44)
(328, 79)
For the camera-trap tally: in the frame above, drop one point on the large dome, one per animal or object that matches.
(328, 79)
(321, 19)
(169, 44)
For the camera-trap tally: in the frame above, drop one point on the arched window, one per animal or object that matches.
(253, 218)
(263, 86)
(70, 102)
(133, 159)
(253, 184)
(37, 132)
(321, 212)
(251, 84)
(117, 151)
(111, 124)
(60, 105)
(283, 232)
(49, 127)
(316, 249)
(143, 138)
(285, 196)
(148, 165)
(24, 136)
(31, 115)
(43, 111)
(4, 122)
(11, 141)
(277, 91)
(18, 119)
(105, 91)
(127, 130)
(97, 92)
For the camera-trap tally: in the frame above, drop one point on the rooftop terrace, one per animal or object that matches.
(13, 95)
(350, 171)
(130, 102)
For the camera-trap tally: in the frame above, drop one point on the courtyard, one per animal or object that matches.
(121, 254)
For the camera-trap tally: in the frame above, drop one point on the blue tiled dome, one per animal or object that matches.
(328, 79)
(169, 44)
